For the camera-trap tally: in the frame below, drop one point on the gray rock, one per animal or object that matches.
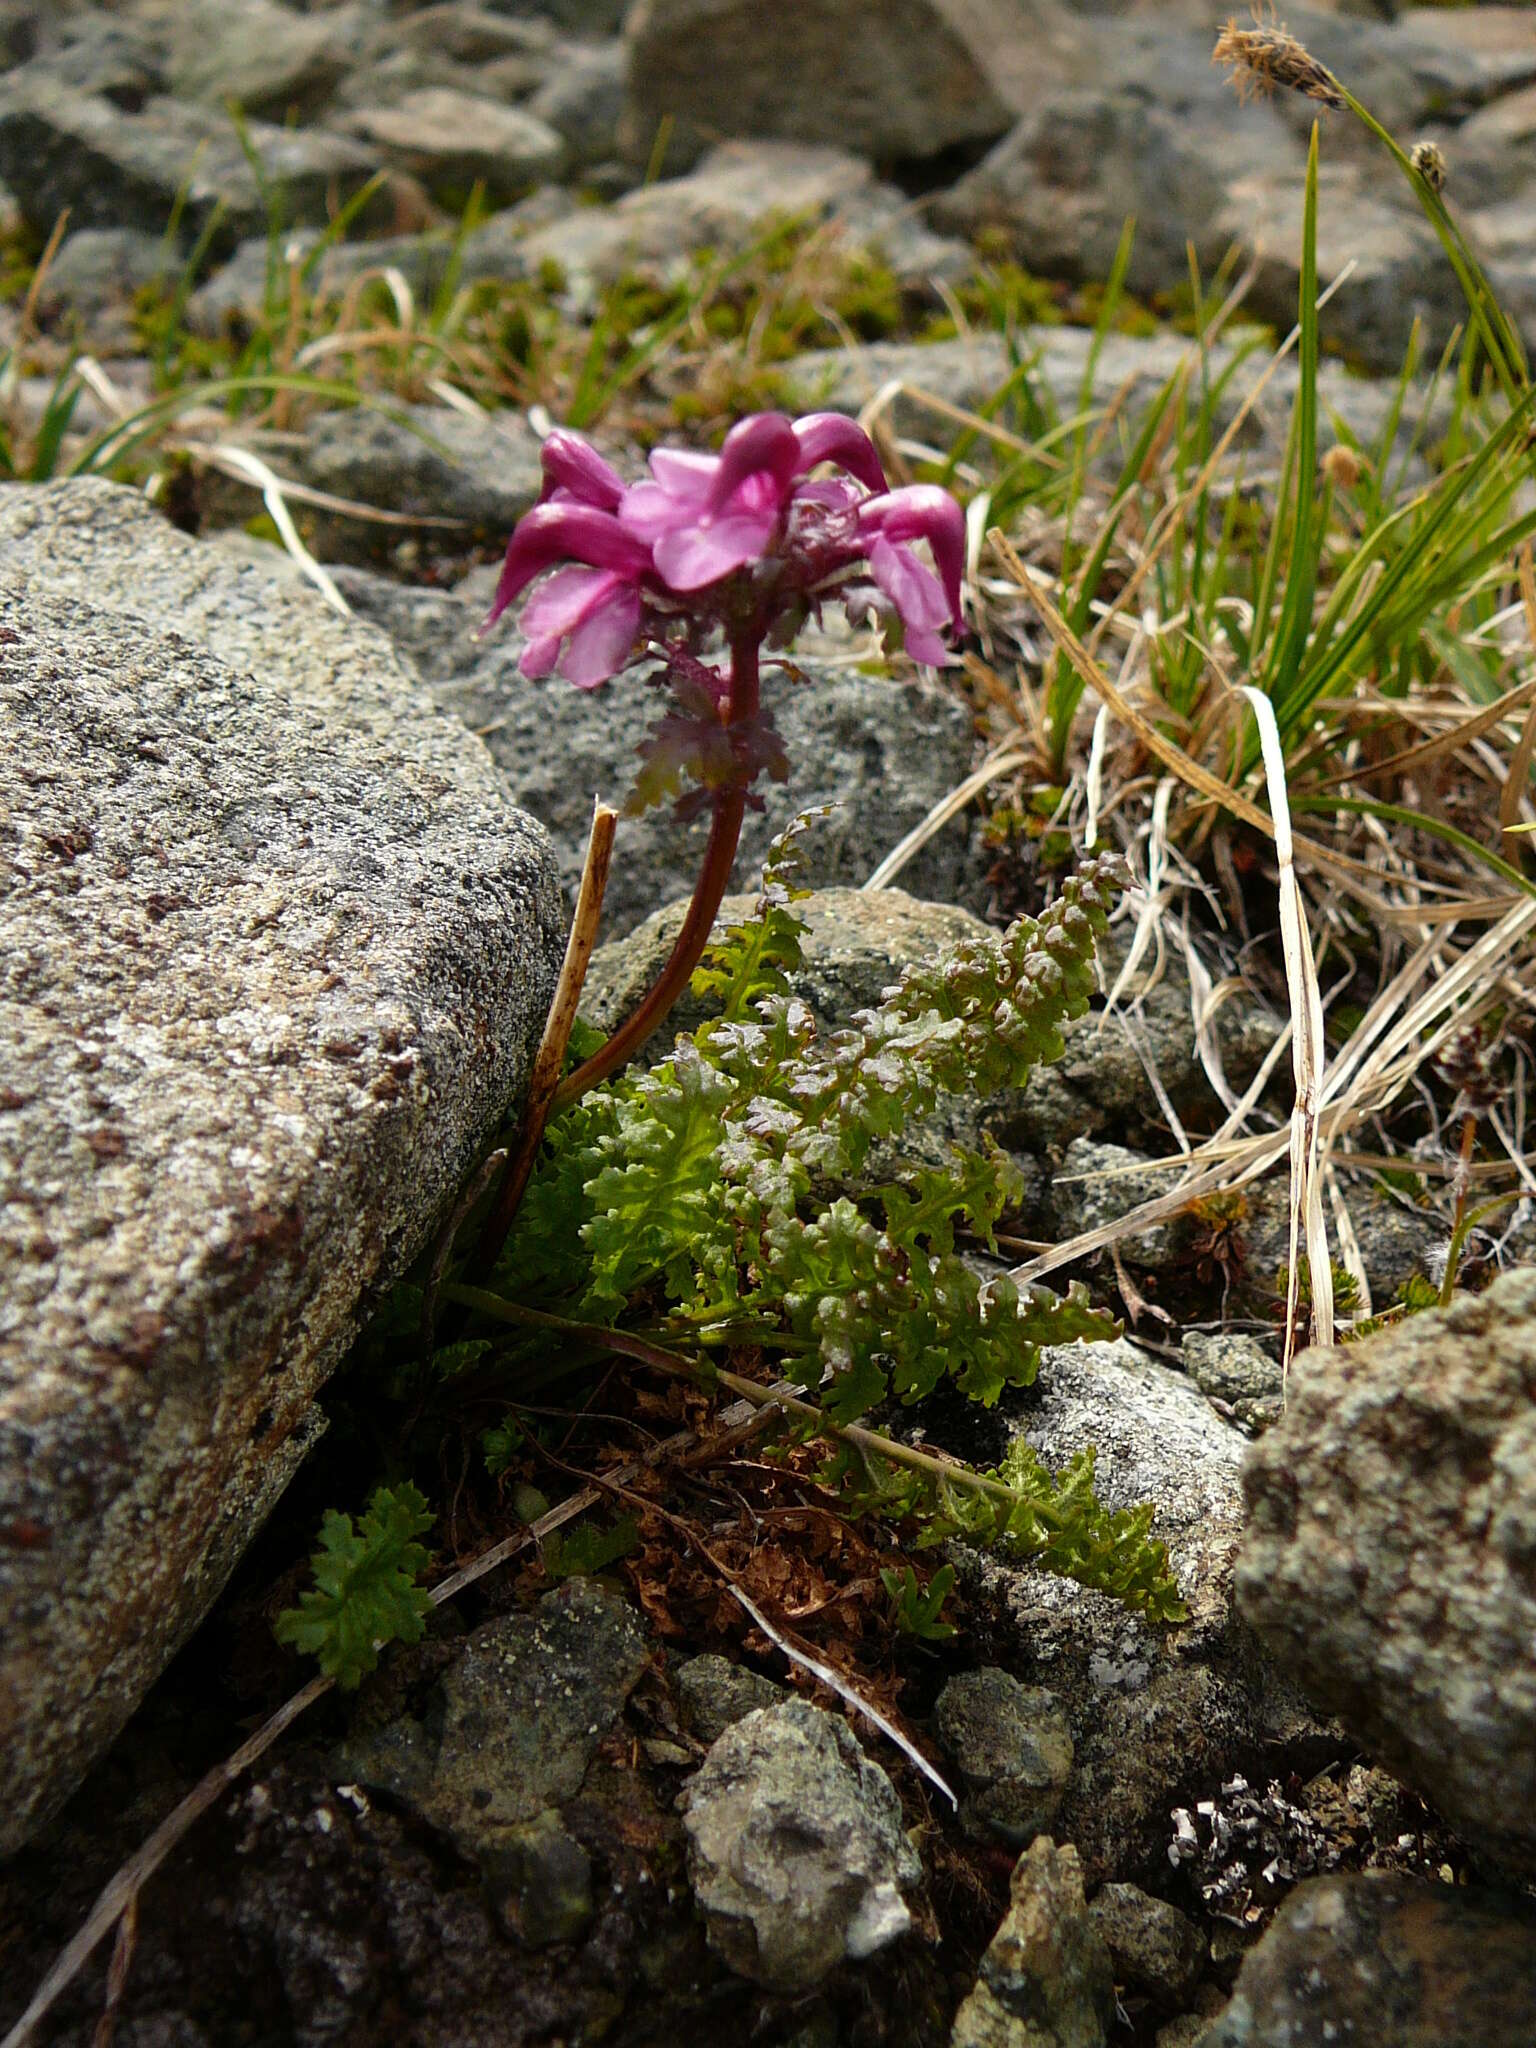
(1155, 1948)
(1062, 184)
(882, 750)
(1395, 1242)
(1237, 1373)
(92, 51)
(540, 1880)
(858, 943)
(1158, 1715)
(1097, 1184)
(1390, 1560)
(1463, 59)
(795, 1848)
(1012, 1745)
(454, 473)
(583, 102)
(91, 283)
(475, 35)
(64, 149)
(512, 1724)
(715, 1694)
(455, 140)
(276, 951)
(588, 17)
(1385, 1962)
(890, 79)
(724, 204)
(271, 62)
(1046, 1980)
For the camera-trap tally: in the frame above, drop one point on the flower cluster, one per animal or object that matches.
(747, 544)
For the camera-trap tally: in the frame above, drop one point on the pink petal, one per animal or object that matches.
(601, 645)
(702, 553)
(649, 510)
(564, 532)
(573, 466)
(912, 588)
(559, 606)
(764, 445)
(923, 512)
(917, 596)
(833, 437)
(683, 473)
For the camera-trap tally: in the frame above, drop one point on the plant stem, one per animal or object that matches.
(708, 890)
(646, 1351)
(545, 1077)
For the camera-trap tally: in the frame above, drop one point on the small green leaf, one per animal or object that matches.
(365, 1593)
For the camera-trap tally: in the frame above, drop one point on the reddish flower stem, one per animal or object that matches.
(708, 890)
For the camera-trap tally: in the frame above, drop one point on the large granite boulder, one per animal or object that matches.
(1390, 1557)
(275, 946)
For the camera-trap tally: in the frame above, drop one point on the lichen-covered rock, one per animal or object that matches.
(1155, 1948)
(796, 1851)
(1046, 1980)
(1012, 1745)
(274, 950)
(1390, 1559)
(513, 1722)
(1159, 1716)
(1097, 1184)
(1385, 1962)
(1237, 1375)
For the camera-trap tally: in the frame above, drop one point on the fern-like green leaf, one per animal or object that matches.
(365, 1592)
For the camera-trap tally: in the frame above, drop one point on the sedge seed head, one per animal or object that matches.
(1266, 54)
(1343, 466)
(1428, 159)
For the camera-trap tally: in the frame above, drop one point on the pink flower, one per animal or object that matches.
(833, 437)
(706, 515)
(922, 601)
(585, 620)
(658, 563)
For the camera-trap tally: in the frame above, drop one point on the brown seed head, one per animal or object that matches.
(1428, 159)
(1343, 466)
(1267, 55)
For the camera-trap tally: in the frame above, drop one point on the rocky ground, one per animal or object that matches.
(305, 871)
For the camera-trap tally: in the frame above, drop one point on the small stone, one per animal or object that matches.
(795, 1848)
(64, 149)
(514, 1722)
(1012, 1745)
(891, 79)
(540, 1881)
(1237, 1375)
(1097, 1184)
(715, 1694)
(454, 138)
(1155, 1948)
(1046, 1980)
